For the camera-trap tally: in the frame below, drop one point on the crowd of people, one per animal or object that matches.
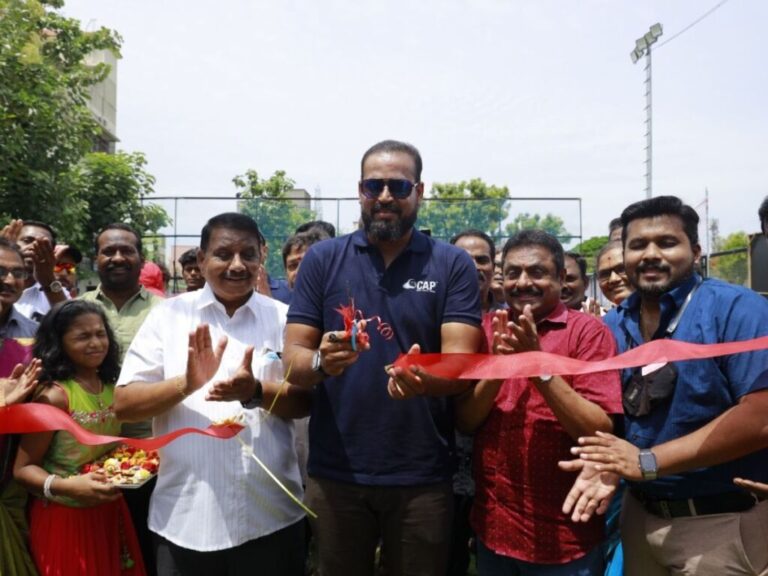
(658, 469)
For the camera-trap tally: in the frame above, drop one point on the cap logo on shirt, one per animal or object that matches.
(420, 285)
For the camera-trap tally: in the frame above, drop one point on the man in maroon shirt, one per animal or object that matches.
(523, 426)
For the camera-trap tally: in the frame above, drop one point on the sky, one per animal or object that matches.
(539, 96)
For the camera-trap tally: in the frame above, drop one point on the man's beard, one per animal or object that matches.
(387, 230)
(657, 289)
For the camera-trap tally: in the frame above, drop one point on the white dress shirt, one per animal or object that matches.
(33, 302)
(210, 494)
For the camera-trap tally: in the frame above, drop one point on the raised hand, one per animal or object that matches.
(240, 387)
(262, 282)
(203, 360)
(591, 492)
(12, 230)
(514, 337)
(21, 382)
(42, 255)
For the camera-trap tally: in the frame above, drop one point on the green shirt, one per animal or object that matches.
(125, 323)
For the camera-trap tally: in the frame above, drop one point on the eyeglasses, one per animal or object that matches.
(18, 273)
(399, 188)
(68, 268)
(605, 274)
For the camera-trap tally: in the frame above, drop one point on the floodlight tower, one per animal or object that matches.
(643, 47)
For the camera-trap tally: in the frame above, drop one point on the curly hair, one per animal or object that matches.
(49, 347)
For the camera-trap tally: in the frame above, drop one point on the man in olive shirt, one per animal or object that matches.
(126, 303)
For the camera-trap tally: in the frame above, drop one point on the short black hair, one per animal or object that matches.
(44, 226)
(613, 225)
(580, 261)
(394, 146)
(188, 257)
(326, 227)
(49, 346)
(234, 221)
(6, 244)
(302, 239)
(763, 215)
(541, 238)
(119, 226)
(662, 206)
(475, 233)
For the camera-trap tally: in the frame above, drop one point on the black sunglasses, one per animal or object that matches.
(398, 188)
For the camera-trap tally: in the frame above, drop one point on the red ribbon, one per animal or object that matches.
(526, 364)
(27, 418)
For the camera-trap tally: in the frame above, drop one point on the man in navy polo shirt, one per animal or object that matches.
(380, 468)
(705, 420)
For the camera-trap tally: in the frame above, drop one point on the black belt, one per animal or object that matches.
(728, 503)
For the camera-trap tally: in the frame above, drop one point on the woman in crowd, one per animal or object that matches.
(611, 277)
(79, 523)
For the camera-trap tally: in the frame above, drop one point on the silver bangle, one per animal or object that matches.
(47, 486)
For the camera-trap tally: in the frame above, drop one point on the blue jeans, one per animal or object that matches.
(491, 564)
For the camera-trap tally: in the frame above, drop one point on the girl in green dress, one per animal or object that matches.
(79, 523)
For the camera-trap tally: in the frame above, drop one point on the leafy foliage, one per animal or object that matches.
(47, 129)
(731, 267)
(589, 249)
(277, 215)
(453, 207)
(549, 223)
(45, 123)
(114, 187)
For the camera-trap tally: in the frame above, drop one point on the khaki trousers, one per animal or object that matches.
(711, 545)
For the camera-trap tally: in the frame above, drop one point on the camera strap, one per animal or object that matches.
(672, 326)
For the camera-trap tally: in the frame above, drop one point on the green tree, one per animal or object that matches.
(549, 223)
(266, 201)
(731, 267)
(113, 188)
(453, 207)
(45, 124)
(589, 249)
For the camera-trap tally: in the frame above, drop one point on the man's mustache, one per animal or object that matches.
(381, 208)
(531, 292)
(652, 267)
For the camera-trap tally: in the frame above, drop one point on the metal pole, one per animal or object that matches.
(706, 218)
(648, 126)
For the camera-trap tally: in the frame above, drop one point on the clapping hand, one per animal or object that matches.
(240, 387)
(511, 337)
(203, 360)
(20, 384)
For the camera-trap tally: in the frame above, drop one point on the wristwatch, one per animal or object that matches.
(648, 466)
(54, 287)
(317, 363)
(257, 399)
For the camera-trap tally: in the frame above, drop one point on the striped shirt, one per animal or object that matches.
(210, 494)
